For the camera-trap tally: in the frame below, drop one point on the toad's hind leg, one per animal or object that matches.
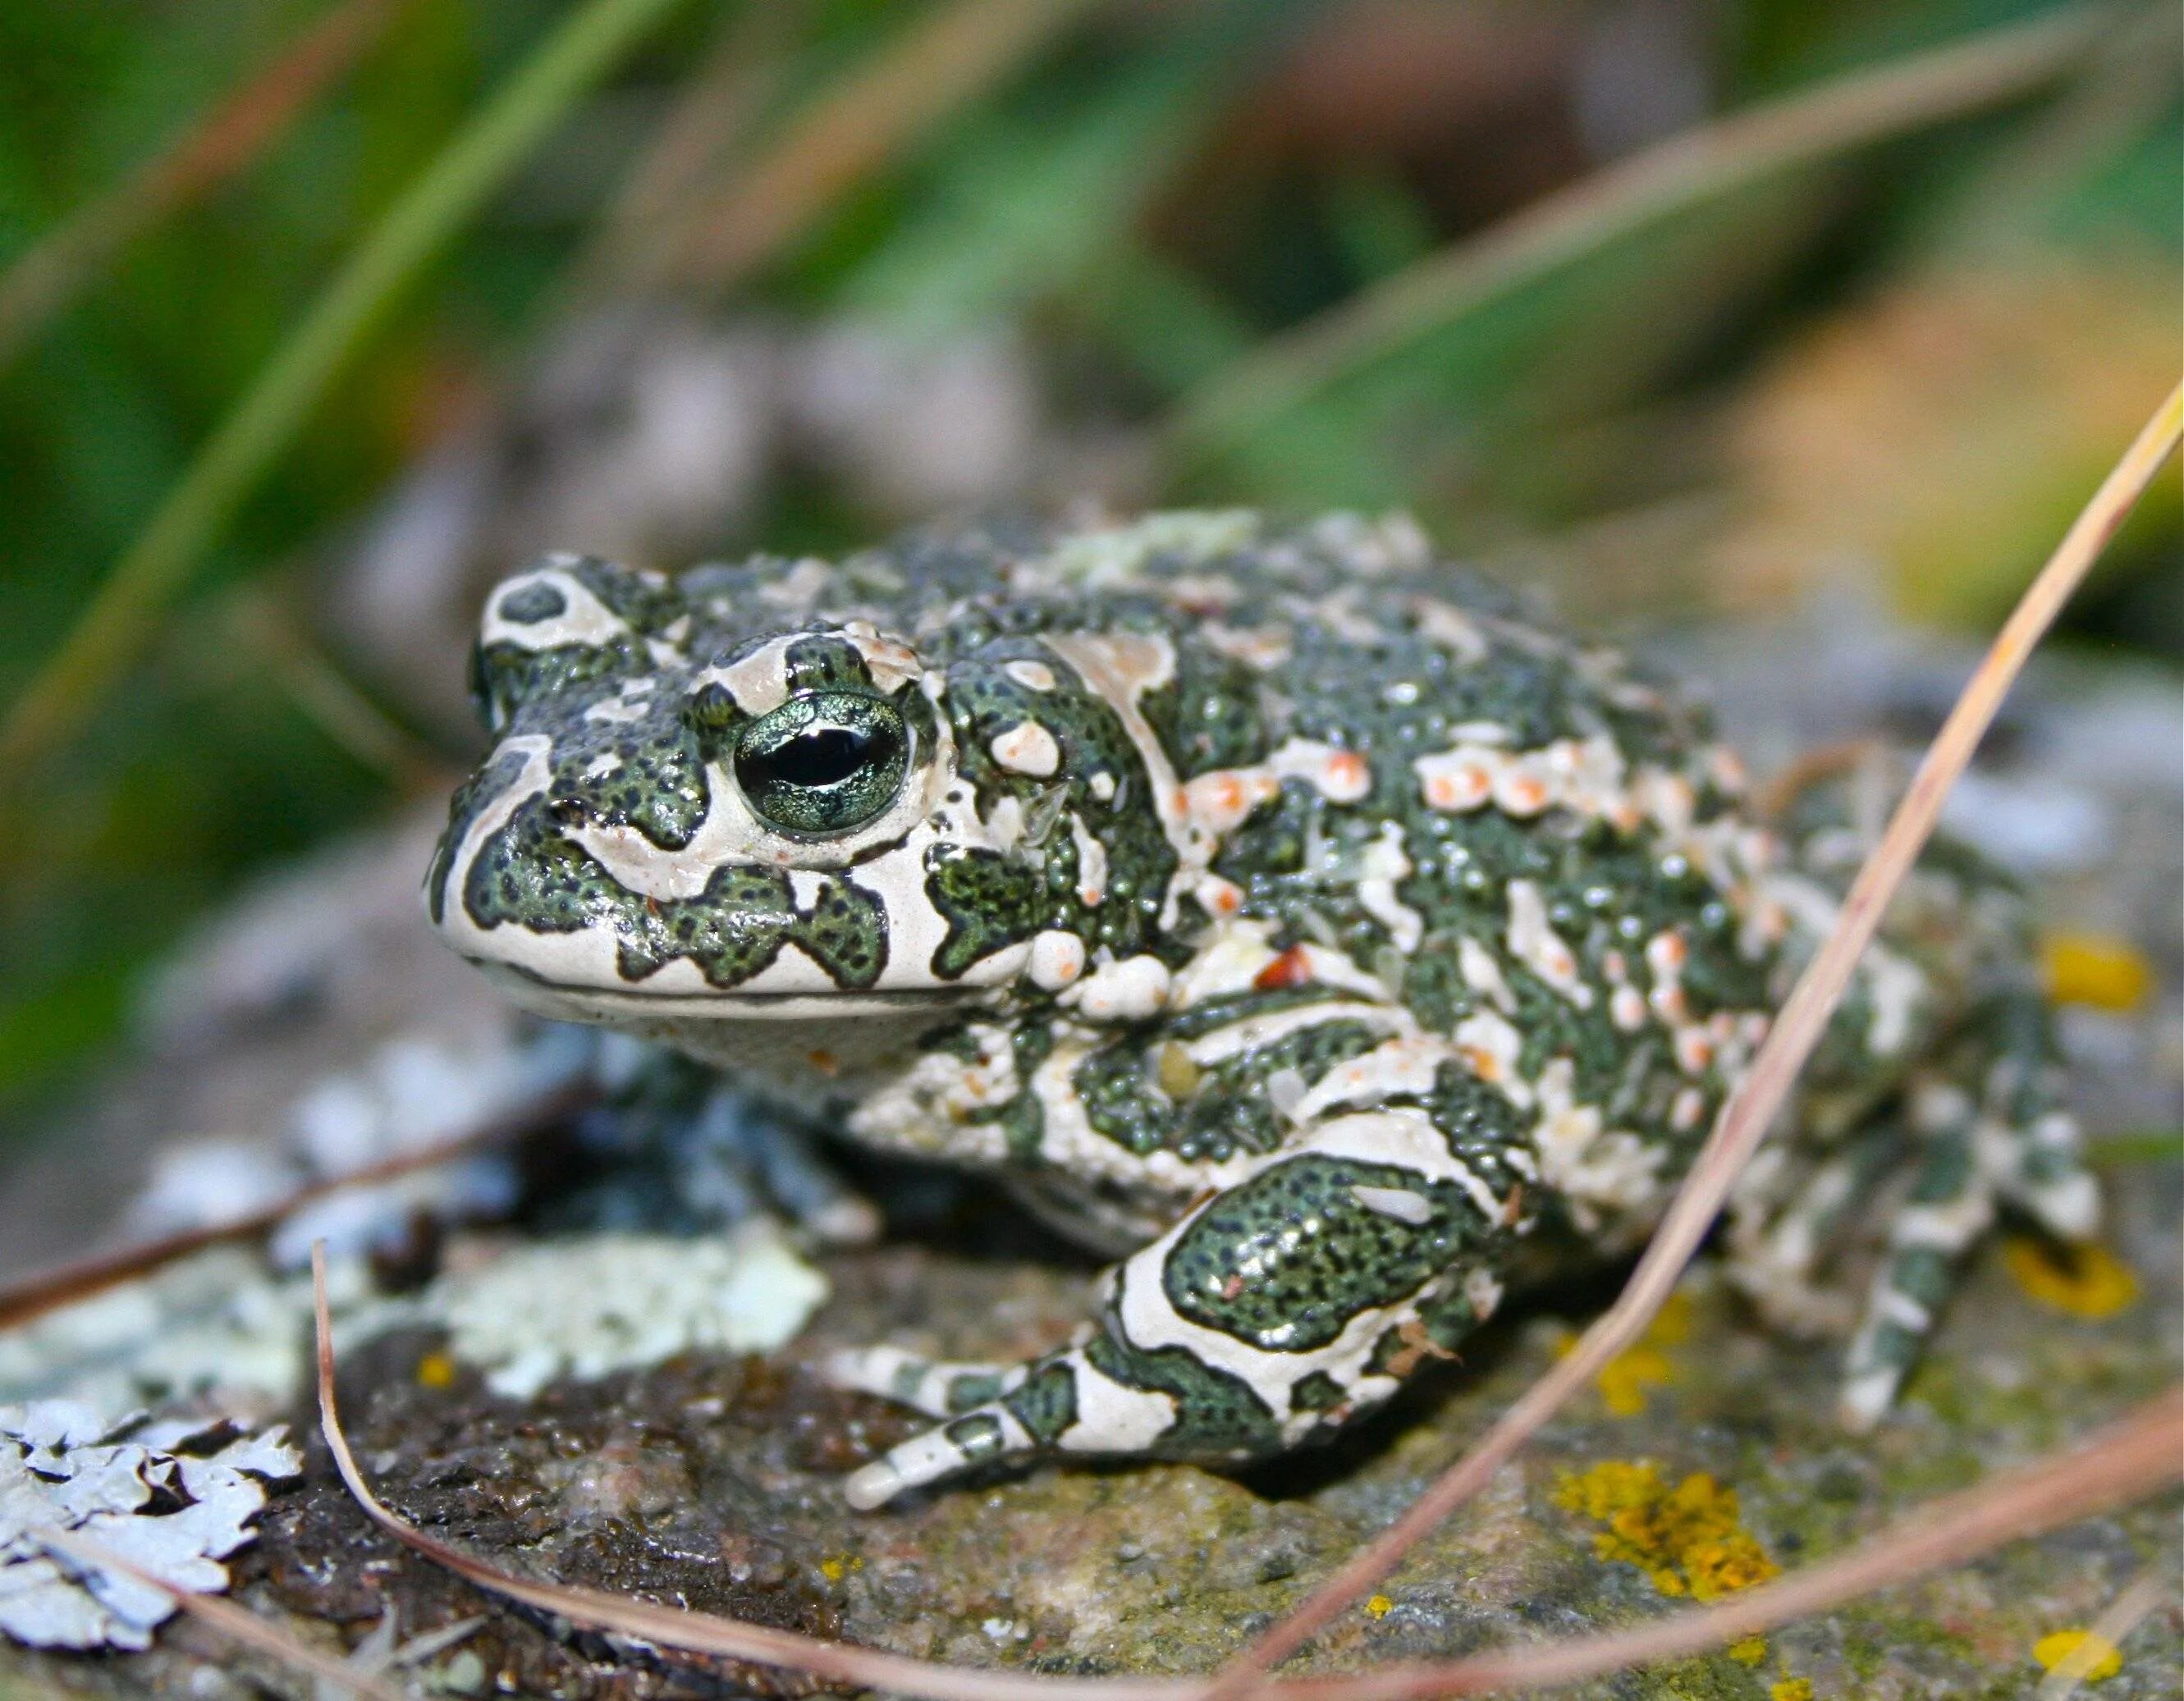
(1990, 1129)
(1297, 1296)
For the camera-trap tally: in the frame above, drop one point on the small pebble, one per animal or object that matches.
(463, 1674)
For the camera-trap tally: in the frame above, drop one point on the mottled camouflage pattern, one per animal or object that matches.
(1280, 909)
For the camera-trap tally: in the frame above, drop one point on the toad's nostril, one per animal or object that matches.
(569, 812)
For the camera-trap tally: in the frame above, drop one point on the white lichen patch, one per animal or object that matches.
(176, 1497)
(588, 1305)
(218, 1332)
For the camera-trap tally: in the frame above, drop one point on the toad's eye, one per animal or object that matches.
(823, 763)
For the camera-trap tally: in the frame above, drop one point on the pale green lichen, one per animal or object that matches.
(590, 1305)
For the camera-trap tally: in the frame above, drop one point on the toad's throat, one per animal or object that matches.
(804, 1038)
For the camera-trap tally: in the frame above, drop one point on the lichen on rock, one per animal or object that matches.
(175, 1497)
(1689, 1538)
(585, 1305)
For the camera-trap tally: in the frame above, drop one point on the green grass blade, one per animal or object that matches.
(42, 281)
(1032, 197)
(1688, 171)
(126, 611)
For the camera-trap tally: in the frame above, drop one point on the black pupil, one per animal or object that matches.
(825, 756)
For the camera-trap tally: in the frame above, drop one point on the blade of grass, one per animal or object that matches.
(1030, 199)
(226, 1617)
(126, 610)
(2129, 81)
(715, 113)
(1689, 170)
(1797, 1029)
(251, 120)
(262, 628)
(696, 1633)
(2129, 1460)
(940, 61)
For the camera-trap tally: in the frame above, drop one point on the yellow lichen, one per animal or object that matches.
(436, 1371)
(1379, 1606)
(2095, 969)
(835, 1570)
(1688, 1539)
(1791, 1689)
(1750, 1651)
(2093, 1657)
(1624, 1380)
(2084, 1281)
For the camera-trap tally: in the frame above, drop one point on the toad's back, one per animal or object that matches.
(1335, 793)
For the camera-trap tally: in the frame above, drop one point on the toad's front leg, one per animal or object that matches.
(1295, 1297)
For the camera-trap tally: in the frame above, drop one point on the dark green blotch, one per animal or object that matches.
(648, 604)
(970, 1391)
(1284, 1260)
(658, 785)
(1895, 1346)
(1202, 1019)
(505, 678)
(532, 603)
(1228, 1111)
(475, 793)
(989, 901)
(1023, 1118)
(824, 661)
(1924, 1274)
(1046, 1403)
(1479, 1122)
(1208, 716)
(975, 1437)
(1947, 1173)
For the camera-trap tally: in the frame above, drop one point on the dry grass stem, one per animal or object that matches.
(1686, 171)
(714, 117)
(235, 133)
(331, 700)
(940, 61)
(2136, 1457)
(226, 1617)
(1753, 1107)
(47, 1289)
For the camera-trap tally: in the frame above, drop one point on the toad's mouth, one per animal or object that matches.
(569, 1001)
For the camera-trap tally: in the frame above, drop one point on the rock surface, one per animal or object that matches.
(709, 1480)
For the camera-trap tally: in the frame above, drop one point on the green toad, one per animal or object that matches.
(1279, 910)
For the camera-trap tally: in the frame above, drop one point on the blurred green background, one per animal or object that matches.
(315, 317)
